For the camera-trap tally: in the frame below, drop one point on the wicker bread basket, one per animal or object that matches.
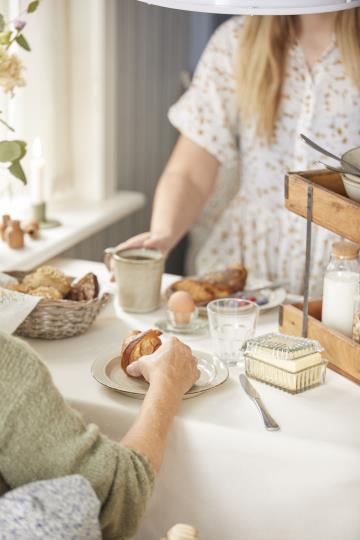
(59, 319)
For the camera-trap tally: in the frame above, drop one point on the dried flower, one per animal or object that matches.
(19, 25)
(11, 69)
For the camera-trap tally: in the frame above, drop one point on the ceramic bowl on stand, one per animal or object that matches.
(351, 181)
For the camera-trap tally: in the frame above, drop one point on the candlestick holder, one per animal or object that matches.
(39, 213)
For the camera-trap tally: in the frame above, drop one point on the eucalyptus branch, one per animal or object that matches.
(13, 151)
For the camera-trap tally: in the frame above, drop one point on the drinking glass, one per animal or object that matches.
(232, 321)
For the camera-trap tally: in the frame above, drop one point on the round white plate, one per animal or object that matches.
(276, 298)
(110, 374)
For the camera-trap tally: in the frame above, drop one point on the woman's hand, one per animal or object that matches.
(148, 240)
(171, 372)
(172, 365)
(184, 187)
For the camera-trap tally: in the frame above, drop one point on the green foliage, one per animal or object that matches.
(33, 6)
(9, 151)
(20, 40)
(5, 38)
(17, 171)
(12, 152)
(6, 124)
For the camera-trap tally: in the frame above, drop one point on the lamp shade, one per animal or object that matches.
(257, 7)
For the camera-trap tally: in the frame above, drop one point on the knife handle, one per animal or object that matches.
(269, 422)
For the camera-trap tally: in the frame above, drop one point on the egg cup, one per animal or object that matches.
(180, 320)
(183, 323)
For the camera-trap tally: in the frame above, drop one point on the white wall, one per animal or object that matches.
(43, 107)
(151, 48)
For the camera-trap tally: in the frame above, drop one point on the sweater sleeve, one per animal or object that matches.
(42, 437)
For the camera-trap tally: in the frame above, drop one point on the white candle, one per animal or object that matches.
(37, 183)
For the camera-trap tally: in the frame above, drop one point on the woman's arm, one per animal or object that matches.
(42, 437)
(171, 371)
(184, 187)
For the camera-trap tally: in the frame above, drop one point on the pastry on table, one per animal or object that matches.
(87, 288)
(49, 293)
(232, 278)
(139, 344)
(18, 287)
(214, 285)
(53, 284)
(200, 291)
(47, 276)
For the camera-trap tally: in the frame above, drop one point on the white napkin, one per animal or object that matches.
(14, 308)
(6, 280)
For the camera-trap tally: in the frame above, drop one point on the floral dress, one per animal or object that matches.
(255, 227)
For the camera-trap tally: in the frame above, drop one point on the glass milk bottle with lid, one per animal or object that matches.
(341, 285)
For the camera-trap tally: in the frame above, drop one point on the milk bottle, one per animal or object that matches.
(341, 284)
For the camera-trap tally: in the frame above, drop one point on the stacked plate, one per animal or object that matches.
(351, 181)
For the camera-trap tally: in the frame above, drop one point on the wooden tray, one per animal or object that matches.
(342, 352)
(332, 208)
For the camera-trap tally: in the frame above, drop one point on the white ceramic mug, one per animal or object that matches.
(138, 273)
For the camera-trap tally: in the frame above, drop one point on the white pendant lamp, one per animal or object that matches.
(257, 7)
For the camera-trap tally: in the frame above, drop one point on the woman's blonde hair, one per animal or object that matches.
(261, 63)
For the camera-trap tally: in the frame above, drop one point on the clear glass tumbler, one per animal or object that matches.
(232, 321)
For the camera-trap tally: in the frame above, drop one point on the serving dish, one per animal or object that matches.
(274, 297)
(352, 187)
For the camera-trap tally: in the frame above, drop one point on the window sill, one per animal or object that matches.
(79, 221)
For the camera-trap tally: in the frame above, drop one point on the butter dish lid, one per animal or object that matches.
(281, 346)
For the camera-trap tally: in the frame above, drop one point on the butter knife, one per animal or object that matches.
(269, 422)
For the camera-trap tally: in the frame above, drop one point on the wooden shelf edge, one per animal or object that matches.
(332, 209)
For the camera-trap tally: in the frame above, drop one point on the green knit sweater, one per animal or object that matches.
(42, 437)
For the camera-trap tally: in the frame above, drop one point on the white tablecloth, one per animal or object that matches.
(223, 472)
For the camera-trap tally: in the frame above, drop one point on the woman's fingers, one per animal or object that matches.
(156, 243)
(134, 369)
(134, 242)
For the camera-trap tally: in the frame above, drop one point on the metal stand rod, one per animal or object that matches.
(310, 192)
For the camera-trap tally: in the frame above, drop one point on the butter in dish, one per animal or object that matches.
(290, 363)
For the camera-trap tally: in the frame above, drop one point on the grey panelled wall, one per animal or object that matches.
(153, 47)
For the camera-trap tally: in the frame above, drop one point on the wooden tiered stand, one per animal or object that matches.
(320, 197)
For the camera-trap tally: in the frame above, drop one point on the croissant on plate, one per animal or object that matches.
(232, 278)
(215, 284)
(139, 344)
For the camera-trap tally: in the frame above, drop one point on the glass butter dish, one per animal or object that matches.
(291, 363)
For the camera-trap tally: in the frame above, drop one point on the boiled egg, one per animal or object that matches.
(182, 304)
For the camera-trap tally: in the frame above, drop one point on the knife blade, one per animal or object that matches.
(269, 422)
